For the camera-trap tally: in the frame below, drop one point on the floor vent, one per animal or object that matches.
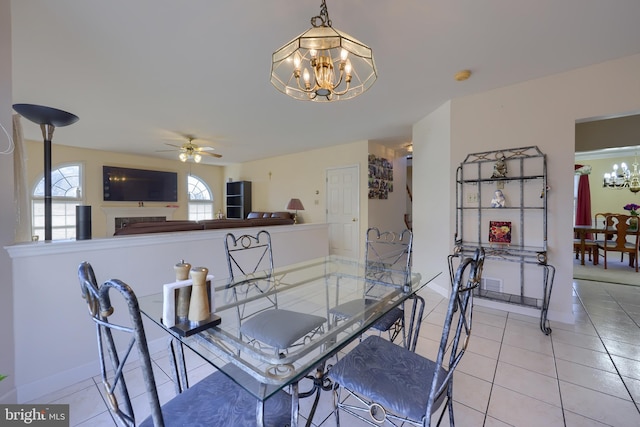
(491, 284)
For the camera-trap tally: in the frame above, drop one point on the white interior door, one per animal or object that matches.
(343, 211)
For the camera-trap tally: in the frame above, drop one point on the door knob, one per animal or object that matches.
(354, 219)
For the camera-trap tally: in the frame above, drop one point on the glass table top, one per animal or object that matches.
(315, 287)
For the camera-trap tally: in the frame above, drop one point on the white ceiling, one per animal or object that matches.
(140, 73)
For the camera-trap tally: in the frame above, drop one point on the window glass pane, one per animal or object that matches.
(66, 195)
(65, 182)
(200, 199)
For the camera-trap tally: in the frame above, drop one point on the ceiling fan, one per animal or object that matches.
(190, 150)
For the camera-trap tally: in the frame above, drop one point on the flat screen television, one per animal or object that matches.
(139, 185)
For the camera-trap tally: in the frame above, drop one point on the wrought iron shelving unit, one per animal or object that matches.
(521, 174)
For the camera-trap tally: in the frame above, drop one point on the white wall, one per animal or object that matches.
(540, 112)
(433, 195)
(7, 210)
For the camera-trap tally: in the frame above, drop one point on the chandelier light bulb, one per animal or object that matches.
(344, 54)
(183, 157)
(197, 157)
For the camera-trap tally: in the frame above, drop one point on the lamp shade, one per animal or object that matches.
(295, 205)
(45, 115)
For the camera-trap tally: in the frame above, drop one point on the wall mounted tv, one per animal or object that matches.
(139, 185)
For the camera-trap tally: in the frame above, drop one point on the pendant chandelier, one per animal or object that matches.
(622, 177)
(323, 64)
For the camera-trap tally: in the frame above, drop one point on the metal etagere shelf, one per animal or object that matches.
(521, 174)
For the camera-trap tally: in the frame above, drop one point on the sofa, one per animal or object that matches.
(254, 219)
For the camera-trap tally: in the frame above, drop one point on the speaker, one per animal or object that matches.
(83, 222)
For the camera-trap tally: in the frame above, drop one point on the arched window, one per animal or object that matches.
(200, 199)
(66, 194)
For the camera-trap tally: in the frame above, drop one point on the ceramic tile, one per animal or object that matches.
(103, 419)
(627, 367)
(478, 365)
(627, 350)
(579, 340)
(528, 359)
(595, 379)
(83, 404)
(599, 406)
(483, 330)
(534, 341)
(575, 420)
(531, 412)
(471, 391)
(584, 356)
(529, 383)
(490, 319)
(483, 346)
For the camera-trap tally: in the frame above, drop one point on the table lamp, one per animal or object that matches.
(48, 118)
(295, 205)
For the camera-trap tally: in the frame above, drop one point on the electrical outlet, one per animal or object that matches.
(472, 197)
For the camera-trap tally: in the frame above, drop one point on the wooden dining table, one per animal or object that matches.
(581, 231)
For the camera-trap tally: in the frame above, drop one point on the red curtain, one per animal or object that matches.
(583, 205)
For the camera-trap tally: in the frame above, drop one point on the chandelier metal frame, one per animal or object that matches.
(323, 64)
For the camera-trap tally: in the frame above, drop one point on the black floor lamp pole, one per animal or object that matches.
(47, 135)
(48, 118)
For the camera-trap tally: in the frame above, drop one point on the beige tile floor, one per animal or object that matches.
(585, 374)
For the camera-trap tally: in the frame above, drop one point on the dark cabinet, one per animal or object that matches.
(238, 199)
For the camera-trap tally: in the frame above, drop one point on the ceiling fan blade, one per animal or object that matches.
(173, 145)
(216, 155)
(166, 151)
(205, 149)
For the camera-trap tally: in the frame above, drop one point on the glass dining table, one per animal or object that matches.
(316, 287)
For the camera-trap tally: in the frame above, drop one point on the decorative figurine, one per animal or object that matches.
(498, 200)
(500, 168)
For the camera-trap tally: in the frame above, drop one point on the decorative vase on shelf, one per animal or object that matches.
(633, 223)
(199, 304)
(184, 294)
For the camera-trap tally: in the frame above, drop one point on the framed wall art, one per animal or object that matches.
(380, 177)
(500, 232)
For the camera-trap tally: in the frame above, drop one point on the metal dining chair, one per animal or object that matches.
(393, 384)
(387, 260)
(214, 401)
(254, 290)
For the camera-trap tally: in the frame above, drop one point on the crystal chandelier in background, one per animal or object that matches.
(622, 177)
(323, 64)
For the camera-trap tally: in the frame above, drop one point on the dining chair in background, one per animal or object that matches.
(254, 289)
(387, 262)
(393, 384)
(621, 241)
(216, 400)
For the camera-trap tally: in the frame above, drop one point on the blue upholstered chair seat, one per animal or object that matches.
(207, 403)
(354, 307)
(280, 328)
(389, 375)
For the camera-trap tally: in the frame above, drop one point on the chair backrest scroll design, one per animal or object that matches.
(112, 361)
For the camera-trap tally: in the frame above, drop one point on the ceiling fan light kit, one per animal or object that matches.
(323, 64)
(191, 151)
